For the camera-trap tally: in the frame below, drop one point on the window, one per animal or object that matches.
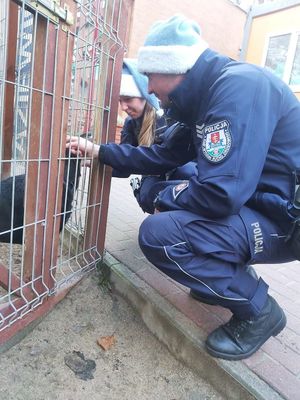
(295, 73)
(277, 54)
(283, 58)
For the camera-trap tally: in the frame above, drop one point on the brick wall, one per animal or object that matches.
(222, 22)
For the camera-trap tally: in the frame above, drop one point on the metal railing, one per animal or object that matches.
(60, 75)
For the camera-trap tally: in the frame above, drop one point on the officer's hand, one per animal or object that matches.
(82, 147)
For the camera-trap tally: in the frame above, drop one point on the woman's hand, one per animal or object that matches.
(82, 147)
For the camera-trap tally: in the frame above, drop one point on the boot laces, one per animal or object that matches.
(238, 326)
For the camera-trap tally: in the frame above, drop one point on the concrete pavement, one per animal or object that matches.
(183, 323)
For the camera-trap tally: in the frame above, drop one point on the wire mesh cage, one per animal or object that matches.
(60, 76)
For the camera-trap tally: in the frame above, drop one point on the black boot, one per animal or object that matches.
(198, 296)
(238, 339)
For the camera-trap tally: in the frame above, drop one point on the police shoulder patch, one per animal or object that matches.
(217, 141)
(179, 188)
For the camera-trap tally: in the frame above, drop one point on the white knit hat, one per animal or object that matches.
(135, 84)
(171, 47)
(128, 86)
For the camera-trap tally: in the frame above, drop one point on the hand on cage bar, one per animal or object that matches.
(82, 147)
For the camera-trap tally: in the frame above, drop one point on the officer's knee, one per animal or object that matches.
(153, 237)
(158, 231)
(146, 236)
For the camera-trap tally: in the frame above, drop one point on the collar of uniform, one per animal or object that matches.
(191, 94)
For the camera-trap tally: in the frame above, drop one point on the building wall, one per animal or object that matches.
(213, 17)
(263, 26)
(222, 22)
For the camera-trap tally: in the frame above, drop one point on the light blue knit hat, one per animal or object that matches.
(134, 84)
(171, 47)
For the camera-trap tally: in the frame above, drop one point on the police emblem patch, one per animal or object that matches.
(216, 141)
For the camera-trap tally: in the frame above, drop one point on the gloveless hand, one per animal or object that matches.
(82, 147)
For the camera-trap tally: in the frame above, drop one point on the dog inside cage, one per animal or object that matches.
(12, 197)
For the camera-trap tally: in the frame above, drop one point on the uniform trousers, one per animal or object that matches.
(211, 255)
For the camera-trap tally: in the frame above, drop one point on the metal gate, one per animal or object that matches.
(59, 74)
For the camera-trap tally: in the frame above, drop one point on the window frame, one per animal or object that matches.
(295, 35)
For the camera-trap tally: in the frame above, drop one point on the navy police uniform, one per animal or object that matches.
(243, 129)
(130, 133)
(150, 185)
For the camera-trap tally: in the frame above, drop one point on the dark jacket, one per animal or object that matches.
(245, 127)
(130, 133)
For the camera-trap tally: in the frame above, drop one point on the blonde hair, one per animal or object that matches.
(147, 132)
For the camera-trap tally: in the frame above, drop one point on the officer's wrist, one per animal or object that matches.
(101, 152)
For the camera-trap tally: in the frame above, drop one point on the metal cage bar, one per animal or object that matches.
(61, 75)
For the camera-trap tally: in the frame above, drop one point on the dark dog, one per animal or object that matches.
(70, 184)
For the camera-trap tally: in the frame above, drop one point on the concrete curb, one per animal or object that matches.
(184, 339)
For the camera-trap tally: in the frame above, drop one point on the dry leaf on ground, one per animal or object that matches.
(106, 342)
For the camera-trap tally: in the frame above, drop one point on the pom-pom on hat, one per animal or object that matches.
(171, 47)
(135, 84)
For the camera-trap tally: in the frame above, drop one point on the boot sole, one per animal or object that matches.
(274, 332)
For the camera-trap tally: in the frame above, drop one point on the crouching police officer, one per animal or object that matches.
(243, 127)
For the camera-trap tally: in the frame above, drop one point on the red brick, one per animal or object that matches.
(284, 290)
(290, 339)
(292, 275)
(279, 378)
(279, 351)
(158, 281)
(205, 319)
(223, 313)
(209, 14)
(274, 276)
(255, 359)
(287, 304)
(293, 323)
